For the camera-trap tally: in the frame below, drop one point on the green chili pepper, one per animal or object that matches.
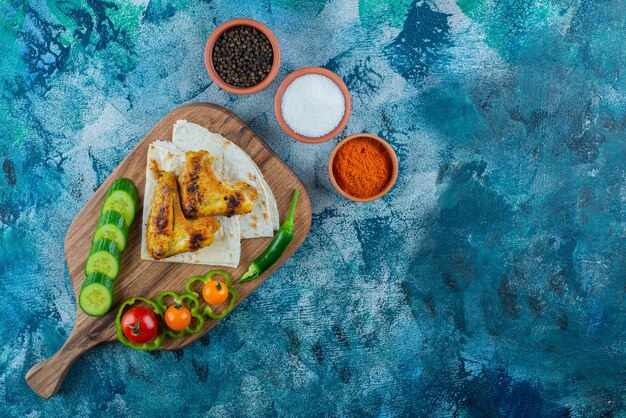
(152, 345)
(277, 247)
(205, 279)
(192, 304)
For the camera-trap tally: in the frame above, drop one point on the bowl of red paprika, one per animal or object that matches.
(363, 167)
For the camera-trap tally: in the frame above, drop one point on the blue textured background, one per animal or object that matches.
(490, 281)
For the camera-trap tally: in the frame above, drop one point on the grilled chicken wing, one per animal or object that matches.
(168, 232)
(203, 194)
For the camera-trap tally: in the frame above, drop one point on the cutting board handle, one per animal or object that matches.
(46, 377)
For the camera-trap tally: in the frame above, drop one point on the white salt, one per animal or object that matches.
(312, 105)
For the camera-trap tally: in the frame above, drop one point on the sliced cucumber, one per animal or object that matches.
(109, 240)
(96, 295)
(122, 197)
(104, 258)
(112, 225)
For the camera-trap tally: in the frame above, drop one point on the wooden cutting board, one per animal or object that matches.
(149, 278)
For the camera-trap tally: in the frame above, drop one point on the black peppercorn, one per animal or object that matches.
(242, 56)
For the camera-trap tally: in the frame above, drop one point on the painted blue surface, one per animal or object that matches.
(490, 281)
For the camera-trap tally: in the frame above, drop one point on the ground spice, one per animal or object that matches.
(362, 167)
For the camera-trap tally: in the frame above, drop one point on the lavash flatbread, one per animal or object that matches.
(271, 200)
(229, 163)
(233, 164)
(225, 249)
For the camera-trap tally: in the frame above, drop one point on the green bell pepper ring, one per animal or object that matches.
(205, 279)
(152, 345)
(192, 304)
(277, 247)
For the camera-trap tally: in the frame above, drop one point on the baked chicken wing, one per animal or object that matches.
(168, 232)
(203, 194)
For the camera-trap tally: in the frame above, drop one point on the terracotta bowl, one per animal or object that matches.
(210, 44)
(279, 98)
(394, 168)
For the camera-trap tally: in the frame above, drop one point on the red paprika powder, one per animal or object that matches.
(362, 167)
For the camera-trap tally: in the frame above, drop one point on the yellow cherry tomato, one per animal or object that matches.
(177, 317)
(215, 292)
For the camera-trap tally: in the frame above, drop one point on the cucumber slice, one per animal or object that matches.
(104, 258)
(112, 226)
(96, 295)
(122, 197)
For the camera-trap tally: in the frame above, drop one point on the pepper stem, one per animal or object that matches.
(250, 274)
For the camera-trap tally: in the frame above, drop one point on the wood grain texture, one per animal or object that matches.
(148, 278)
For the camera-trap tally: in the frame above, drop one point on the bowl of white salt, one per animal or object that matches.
(312, 105)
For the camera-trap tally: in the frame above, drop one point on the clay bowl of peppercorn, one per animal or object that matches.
(363, 167)
(242, 56)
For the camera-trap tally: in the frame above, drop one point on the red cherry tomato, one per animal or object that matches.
(140, 325)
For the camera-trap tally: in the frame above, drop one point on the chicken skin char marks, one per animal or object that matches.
(168, 232)
(203, 194)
